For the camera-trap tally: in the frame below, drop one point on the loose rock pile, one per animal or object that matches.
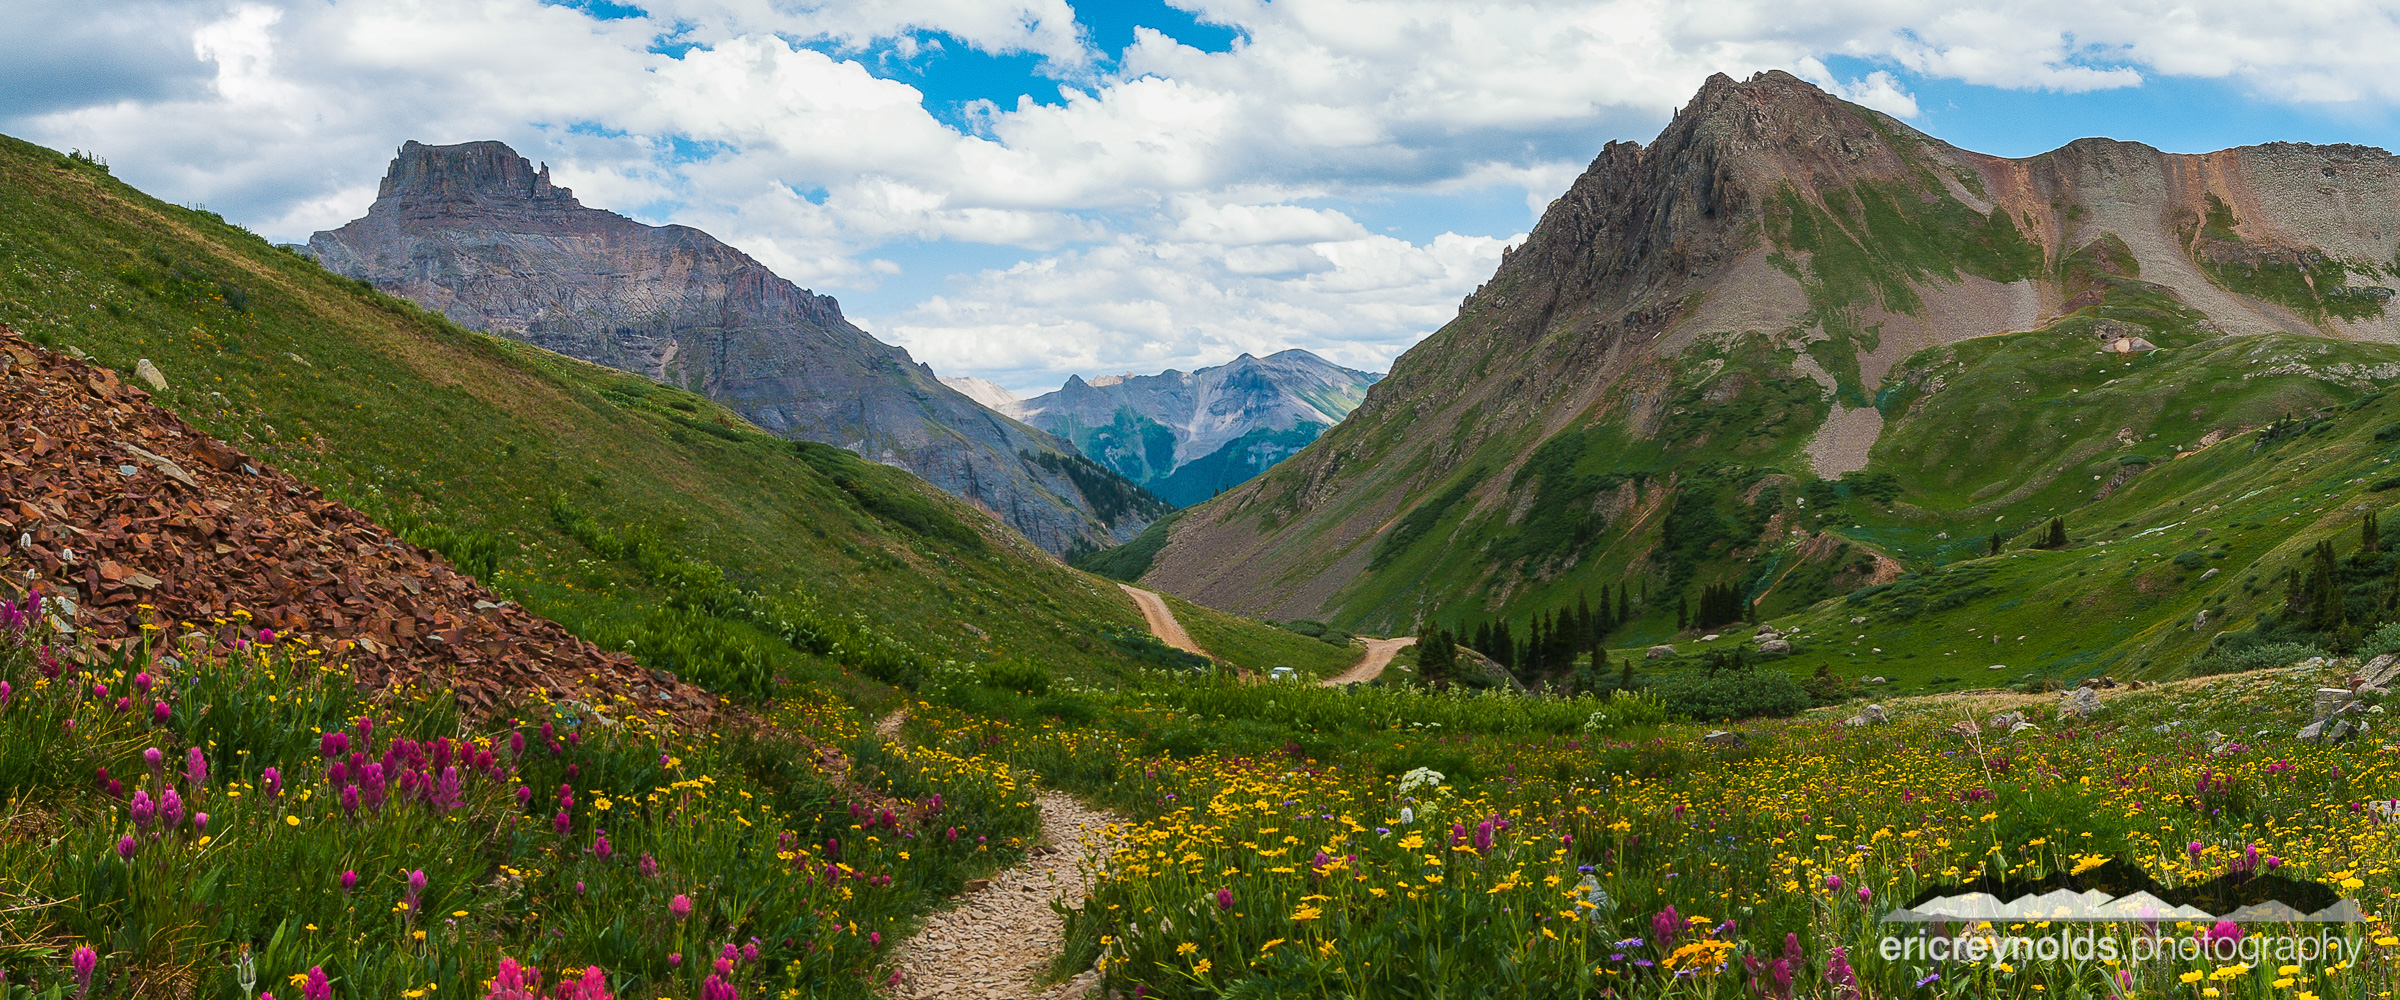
(124, 516)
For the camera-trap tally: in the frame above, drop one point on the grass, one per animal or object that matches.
(1258, 647)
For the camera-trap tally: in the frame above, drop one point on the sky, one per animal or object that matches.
(1026, 189)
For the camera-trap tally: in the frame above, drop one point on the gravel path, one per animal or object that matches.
(1162, 620)
(996, 943)
(1370, 666)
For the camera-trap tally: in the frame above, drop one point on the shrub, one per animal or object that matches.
(2232, 658)
(1737, 694)
(1015, 675)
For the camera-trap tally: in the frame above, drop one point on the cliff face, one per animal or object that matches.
(476, 233)
(1765, 285)
(1187, 436)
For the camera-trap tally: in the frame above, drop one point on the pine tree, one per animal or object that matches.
(1437, 656)
(1625, 675)
(1995, 543)
(1683, 617)
(2324, 598)
(2058, 534)
(2370, 535)
(1624, 609)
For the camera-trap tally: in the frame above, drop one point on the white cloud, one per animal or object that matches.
(1142, 304)
(1171, 200)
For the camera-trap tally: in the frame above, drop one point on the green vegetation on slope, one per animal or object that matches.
(469, 444)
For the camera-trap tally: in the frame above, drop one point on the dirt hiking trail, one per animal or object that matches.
(999, 939)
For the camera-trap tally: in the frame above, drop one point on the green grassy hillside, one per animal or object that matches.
(641, 516)
(1695, 474)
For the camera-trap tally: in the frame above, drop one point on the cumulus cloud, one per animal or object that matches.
(1141, 304)
(1170, 204)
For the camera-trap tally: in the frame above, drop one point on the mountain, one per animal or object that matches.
(476, 233)
(1794, 350)
(1188, 436)
(984, 391)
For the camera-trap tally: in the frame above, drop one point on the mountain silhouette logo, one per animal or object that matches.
(2120, 891)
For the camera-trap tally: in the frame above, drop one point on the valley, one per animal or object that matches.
(1813, 540)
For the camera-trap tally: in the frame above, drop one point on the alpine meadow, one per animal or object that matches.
(1818, 561)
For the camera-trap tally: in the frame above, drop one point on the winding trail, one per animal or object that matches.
(1379, 655)
(1162, 620)
(998, 941)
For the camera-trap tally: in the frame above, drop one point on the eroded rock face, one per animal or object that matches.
(476, 232)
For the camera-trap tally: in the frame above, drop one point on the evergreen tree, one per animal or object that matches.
(2324, 598)
(1995, 543)
(2370, 535)
(1624, 609)
(1625, 675)
(1437, 656)
(2058, 534)
(1683, 616)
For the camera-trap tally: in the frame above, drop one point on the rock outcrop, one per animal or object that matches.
(477, 233)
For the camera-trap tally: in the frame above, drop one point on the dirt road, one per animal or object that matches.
(1162, 620)
(1370, 666)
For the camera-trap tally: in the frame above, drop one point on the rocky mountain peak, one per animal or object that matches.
(487, 171)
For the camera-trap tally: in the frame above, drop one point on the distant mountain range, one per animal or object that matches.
(1187, 436)
(475, 232)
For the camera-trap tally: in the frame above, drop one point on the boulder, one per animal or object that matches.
(2022, 726)
(1775, 646)
(2380, 671)
(150, 375)
(2215, 740)
(1723, 738)
(1711, 637)
(1877, 680)
(2006, 720)
(2331, 702)
(1868, 716)
(1659, 652)
(2080, 703)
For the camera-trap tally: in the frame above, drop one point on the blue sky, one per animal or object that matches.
(1026, 189)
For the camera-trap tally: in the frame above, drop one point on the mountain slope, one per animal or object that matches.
(1795, 347)
(1188, 436)
(640, 516)
(474, 232)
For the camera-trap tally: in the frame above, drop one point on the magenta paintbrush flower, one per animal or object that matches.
(195, 769)
(316, 988)
(680, 906)
(349, 881)
(87, 961)
(273, 780)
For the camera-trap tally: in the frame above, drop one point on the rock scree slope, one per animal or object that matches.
(477, 233)
(124, 516)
